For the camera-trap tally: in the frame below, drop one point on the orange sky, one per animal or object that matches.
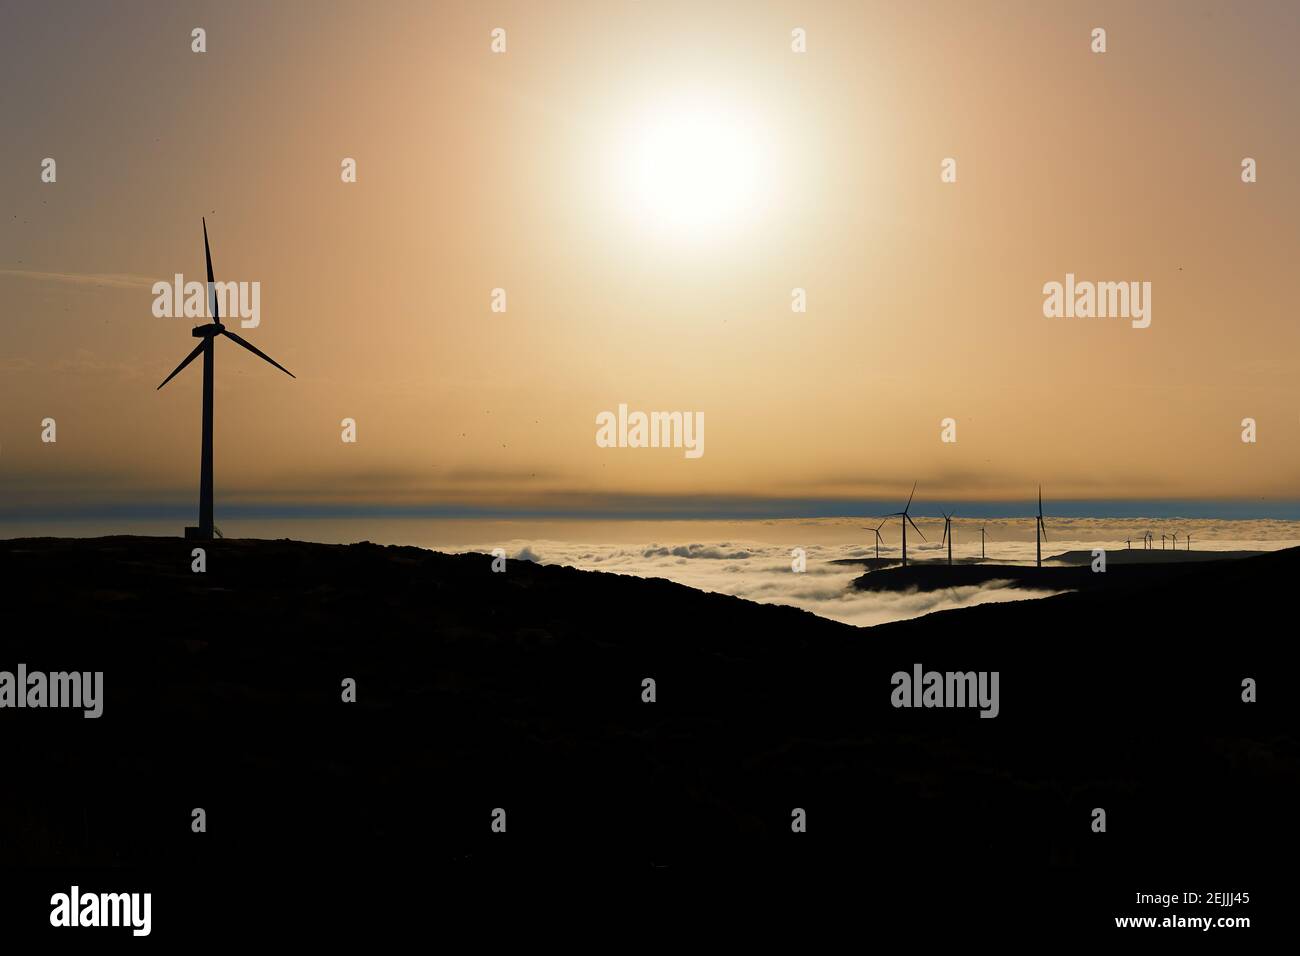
(478, 171)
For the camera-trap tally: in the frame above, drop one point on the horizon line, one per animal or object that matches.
(695, 509)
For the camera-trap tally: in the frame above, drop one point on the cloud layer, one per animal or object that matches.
(762, 572)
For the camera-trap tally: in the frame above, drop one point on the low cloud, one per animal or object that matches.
(112, 280)
(721, 552)
(762, 573)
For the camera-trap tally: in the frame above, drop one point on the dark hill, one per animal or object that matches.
(934, 576)
(522, 690)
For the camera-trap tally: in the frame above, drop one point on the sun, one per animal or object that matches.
(693, 168)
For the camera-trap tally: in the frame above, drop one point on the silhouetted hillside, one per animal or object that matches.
(1077, 575)
(522, 690)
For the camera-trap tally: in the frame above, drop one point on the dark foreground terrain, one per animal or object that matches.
(1076, 575)
(1070, 570)
(522, 690)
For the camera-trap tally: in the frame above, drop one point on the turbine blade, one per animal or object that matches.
(915, 528)
(909, 497)
(188, 359)
(207, 252)
(258, 352)
(212, 292)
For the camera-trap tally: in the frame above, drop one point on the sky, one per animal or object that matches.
(649, 182)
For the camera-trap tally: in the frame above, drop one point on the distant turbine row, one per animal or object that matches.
(1040, 532)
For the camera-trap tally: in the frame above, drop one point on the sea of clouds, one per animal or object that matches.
(757, 565)
(749, 559)
(762, 572)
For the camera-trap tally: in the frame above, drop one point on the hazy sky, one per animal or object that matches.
(649, 181)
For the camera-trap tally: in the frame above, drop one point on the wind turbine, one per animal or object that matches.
(1189, 542)
(1175, 544)
(1040, 532)
(1128, 544)
(947, 533)
(1162, 542)
(876, 531)
(981, 542)
(905, 519)
(208, 333)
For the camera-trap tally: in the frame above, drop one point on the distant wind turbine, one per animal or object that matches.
(876, 532)
(1040, 532)
(947, 533)
(981, 542)
(905, 519)
(1162, 542)
(208, 333)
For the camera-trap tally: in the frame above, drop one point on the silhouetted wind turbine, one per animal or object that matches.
(981, 542)
(947, 533)
(876, 531)
(1175, 544)
(905, 519)
(1189, 543)
(1040, 531)
(208, 334)
(1162, 541)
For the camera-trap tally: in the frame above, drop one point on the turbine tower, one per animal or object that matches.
(947, 533)
(1040, 532)
(208, 334)
(981, 542)
(905, 518)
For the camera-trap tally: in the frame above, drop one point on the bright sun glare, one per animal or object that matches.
(693, 169)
